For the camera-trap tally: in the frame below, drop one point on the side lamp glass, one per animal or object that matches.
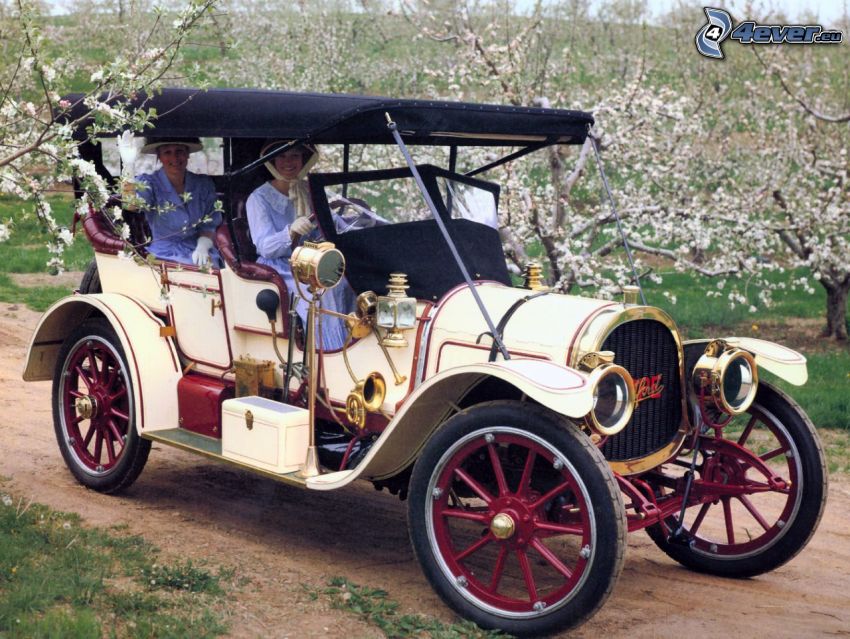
(396, 311)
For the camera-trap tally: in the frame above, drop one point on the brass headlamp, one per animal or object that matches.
(613, 393)
(396, 311)
(726, 378)
(317, 265)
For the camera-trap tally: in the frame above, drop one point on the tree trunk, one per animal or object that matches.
(836, 309)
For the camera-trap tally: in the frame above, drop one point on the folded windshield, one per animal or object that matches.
(394, 199)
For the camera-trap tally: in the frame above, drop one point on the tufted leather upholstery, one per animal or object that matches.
(101, 232)
(236, 255)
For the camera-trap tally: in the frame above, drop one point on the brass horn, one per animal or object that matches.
(366, 397)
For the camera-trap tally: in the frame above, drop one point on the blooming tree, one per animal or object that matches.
(37, 147)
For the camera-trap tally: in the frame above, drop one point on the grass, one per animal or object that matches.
(26, 249)
(374, 606)
(826, 396)
(38, 298)
(61, 579)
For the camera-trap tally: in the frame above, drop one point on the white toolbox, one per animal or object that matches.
(264, 433)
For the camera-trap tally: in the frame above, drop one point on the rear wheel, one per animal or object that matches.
(90, 283)
(94, 410)
(772, 487)
(516, 519)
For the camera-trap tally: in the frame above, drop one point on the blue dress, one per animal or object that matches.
(270, 214)
(176, 224)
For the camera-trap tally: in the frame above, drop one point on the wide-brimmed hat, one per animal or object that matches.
(271, 145)
(153, 143)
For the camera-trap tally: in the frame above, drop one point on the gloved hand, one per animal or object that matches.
(128, 151)
(301, 226)
(201, 254)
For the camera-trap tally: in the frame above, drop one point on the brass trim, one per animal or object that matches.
(642, 464)
(502, 526)
(249, 420)
(710, 374)
(598, 374)
(167, 331)
(533, 277)
(86, 406)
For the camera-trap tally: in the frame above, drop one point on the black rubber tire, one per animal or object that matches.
(90, 283)
(792, 535)
(133, 455)
(601, 567)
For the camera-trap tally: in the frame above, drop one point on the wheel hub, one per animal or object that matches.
(502, 526)
(86, 407)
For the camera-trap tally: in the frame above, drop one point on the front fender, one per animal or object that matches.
(783, 362)
(151, 358)
(561, 389)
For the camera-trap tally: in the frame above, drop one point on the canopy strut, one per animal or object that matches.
(496, 337)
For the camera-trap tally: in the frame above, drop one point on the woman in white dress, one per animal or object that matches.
(280, 217)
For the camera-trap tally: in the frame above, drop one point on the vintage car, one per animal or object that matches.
(528, 430)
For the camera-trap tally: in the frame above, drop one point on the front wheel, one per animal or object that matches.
(516, 519)
(764, 487)
(94, 410)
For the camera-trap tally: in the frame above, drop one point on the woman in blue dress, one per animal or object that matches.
(179, 205)
(279, 216)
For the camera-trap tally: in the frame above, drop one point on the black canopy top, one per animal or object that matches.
(333, 118)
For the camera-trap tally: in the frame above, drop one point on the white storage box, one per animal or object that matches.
(264, 433)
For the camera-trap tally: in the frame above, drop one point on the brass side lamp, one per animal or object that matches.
(396, 311)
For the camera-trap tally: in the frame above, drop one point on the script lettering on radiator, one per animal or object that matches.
(648, 387)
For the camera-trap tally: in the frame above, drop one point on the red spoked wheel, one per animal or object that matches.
(516, 519)
(760, 494)
(94, 411)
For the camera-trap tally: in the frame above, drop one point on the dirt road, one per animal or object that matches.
(280, 537)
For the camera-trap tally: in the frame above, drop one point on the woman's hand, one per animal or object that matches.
(300, 227)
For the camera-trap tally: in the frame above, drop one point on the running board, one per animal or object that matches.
(211, 448)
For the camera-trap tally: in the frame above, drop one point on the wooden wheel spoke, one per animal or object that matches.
(475, 547)
(498, 569)
(498, 471)
(465, 514)
(754, 511)
(700, 517)
(110, 445)
(525, 480)
(119, 414)
(727, 516)
(527, 575)
(773, 453)
(549, 556)
(115, 432)
(748, 429)
(81, 373)
(557, 490)
(558, 529)
(98, 444)
(113, 374)
(474, 485)
(76, 393)
(96, 373)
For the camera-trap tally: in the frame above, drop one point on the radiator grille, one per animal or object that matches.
(646, 348)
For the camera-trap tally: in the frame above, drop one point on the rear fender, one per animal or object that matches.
(783, 362)
(561, 389)
(152, 359)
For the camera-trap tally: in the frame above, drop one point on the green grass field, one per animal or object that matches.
(59, 578)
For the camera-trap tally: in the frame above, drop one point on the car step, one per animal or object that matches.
(211, 448)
